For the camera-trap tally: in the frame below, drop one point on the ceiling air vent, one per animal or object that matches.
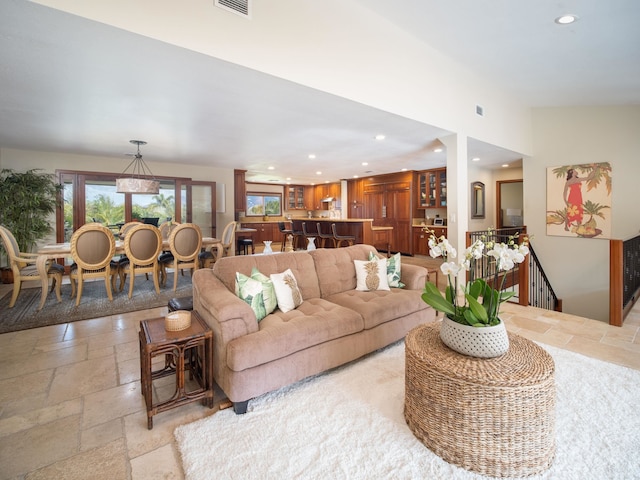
(239, 7)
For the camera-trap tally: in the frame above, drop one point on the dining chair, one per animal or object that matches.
(142, 245)
(166, 256)
(185, 243)
(92, 249)
(208, 258)
(23, 267)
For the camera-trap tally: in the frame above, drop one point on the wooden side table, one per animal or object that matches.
(190, 349)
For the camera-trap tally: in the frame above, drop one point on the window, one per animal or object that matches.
(261, 204)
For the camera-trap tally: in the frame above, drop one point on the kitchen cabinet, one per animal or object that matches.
(432, 188)
(264, 231)
(388, 201)
(421, 238)
(299, 197)
(240, 191)
(355, 198)
(326, 190)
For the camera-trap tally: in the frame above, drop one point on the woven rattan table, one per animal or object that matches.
(189, 350)
(491, 416)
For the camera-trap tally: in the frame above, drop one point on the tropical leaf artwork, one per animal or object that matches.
(579, 200)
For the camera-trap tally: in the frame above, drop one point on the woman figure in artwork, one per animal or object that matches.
(573, 197)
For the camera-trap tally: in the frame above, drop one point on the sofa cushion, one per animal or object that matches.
(335, 267)
(371, 274)
(300, 263)
(380, 306)
(280, 334)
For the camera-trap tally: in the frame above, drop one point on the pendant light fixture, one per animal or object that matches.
(137, 181)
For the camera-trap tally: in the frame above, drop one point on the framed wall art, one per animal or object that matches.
(579, 200)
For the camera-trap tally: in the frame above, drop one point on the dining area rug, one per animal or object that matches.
(94, 302)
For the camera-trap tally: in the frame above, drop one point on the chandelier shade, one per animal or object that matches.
(137, 180)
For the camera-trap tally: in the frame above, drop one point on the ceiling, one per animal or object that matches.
(78, 86)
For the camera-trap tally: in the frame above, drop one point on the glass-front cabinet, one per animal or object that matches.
(296, 199)
(432, 188)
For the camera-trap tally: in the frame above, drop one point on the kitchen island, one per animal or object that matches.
(361, 228)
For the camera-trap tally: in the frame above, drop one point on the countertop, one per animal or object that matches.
(307, 219)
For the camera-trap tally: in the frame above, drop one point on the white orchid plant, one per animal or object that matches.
(478, 304)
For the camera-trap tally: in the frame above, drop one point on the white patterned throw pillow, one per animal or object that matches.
(371, 274)
(257, 291)
(287, 291)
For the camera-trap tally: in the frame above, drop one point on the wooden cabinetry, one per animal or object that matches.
(240, 191)
(421, 239)
(388, 201)
(323, 191)
(355, 198)
(432, 188)
(298, 197)
(264, 231)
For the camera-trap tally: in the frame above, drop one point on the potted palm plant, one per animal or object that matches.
(472, 323)
(27, 199)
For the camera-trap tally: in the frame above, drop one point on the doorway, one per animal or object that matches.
(509, 203)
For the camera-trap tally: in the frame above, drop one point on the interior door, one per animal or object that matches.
(200, 200)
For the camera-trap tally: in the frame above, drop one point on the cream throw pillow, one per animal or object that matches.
(371, 274)
(287, 291)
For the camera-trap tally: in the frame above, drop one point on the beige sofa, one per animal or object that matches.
(334, 324)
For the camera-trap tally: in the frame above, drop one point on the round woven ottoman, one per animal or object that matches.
(491, 416)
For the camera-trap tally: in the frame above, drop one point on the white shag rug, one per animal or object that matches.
(349, 424)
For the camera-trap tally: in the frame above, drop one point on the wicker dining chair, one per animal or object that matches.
(92, 249)
(23, 267)
(142, 245)
(209, 257)
(185, 243)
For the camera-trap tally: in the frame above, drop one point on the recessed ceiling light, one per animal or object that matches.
(318, 172)
(566, 19)
(271, 167)
(312, 156)
(380, 137)
(505, 165)
(475, 159)
(437, 150)
(288, 178)
(404, 169)
(355, 176)
(364, 164)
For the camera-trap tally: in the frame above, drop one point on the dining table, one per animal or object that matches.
(62, 250)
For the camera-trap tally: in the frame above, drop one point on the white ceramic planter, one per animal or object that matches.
(481, 342)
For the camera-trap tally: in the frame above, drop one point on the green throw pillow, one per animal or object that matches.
(393, 269)
(257, 291)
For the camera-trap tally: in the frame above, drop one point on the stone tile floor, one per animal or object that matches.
(71, 404)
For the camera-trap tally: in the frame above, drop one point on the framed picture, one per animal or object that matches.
(579, 200)
(261, 204)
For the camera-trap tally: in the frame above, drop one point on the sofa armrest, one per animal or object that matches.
(228, 316)
(413, 276)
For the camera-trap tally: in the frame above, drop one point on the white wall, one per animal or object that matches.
(578, 268)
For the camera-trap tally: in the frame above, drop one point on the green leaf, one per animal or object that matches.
(477, 309)
(438, 302)
(476, 288)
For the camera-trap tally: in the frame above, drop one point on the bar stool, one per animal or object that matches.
(306, 234)
(243, 245)
(285, 231)
(323, 236)
(338, 239)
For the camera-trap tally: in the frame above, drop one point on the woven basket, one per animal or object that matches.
(481, 342)
(178, 320)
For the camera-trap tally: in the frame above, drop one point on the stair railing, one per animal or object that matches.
(624, 278)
